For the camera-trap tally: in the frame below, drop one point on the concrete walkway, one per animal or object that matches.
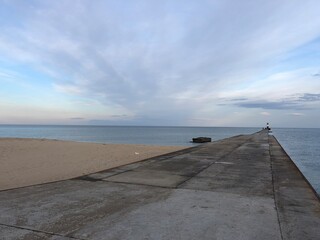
(244, 187)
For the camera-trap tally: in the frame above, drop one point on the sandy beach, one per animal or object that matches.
(27, 162)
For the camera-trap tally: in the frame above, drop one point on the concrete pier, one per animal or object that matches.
(244, 187)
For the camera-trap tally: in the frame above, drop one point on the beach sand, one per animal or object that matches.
(26, 162)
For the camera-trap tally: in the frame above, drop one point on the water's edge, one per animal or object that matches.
(300, 144)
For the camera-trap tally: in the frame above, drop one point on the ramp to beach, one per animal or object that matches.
(244, 187)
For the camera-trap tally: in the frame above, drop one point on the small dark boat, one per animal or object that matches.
(201, 139)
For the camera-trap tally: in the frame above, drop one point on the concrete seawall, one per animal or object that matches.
(244, 187)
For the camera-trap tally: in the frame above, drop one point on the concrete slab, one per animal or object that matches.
(190, 214)
(186, 166)
(246, 170)
(65, 207)
(230, 185)
(149, 177)
(121, 211)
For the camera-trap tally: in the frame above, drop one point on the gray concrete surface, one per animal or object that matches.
(244, 187)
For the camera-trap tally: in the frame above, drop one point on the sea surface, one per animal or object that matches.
(174, 136)
(302, 145)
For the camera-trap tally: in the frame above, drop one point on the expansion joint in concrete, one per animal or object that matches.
(138, 184)
(40, 231)
(223, 156)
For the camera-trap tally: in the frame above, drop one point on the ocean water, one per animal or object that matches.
(302, 145)
(174, 136)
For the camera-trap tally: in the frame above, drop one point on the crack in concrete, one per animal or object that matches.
(223, 156)
(40, 231)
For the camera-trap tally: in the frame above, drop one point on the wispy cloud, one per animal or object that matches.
(310, 97)
(160, 60)
(270, 105)
(77, 118)
(265, 113)
(295, 102)
(296, 114)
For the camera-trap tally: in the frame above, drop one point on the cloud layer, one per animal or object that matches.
(154, 60)
(297, 102)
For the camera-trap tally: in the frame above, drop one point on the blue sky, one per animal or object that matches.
(189, 63)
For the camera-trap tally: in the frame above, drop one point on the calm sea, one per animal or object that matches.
(303, 145)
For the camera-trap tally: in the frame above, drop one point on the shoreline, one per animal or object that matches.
(31, 161)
